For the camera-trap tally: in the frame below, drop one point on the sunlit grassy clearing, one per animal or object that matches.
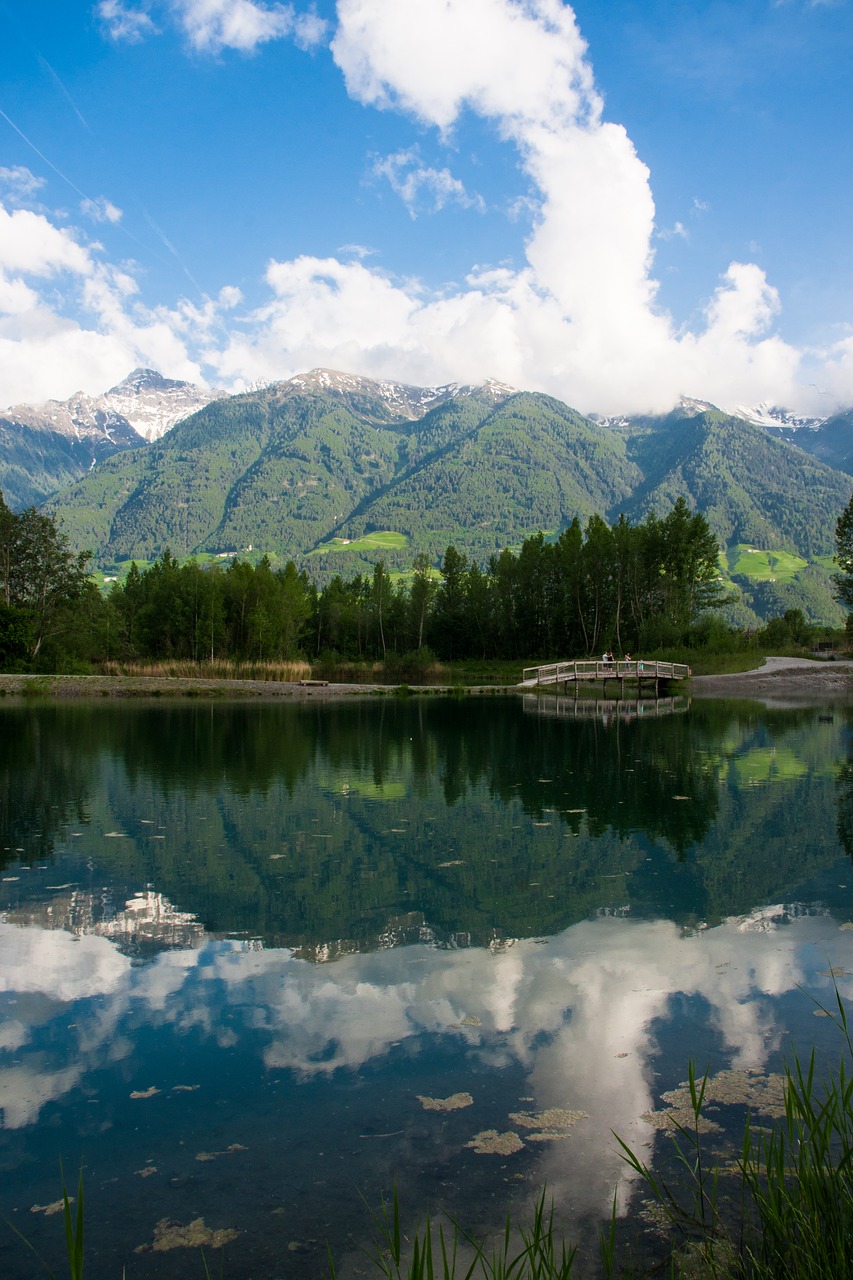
(763, 565)
(381, 540)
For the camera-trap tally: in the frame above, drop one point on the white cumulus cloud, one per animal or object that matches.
(579, 318)
(71, 320)
(587, 292)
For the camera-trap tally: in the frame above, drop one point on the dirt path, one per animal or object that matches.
(781, 680)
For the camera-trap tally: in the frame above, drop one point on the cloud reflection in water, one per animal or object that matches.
(577, 1014)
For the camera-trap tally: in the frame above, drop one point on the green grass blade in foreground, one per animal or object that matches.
(434, 1254)
(74, 1232)
(33, 1250)
(795, 1210)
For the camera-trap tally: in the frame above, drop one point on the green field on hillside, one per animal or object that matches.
(762, 565)
(381, 540)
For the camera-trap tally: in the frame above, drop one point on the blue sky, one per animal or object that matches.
(617, 203)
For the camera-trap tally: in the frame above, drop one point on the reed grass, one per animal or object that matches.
(219, 669)
(535, 1252)
(36, 687)
(792, 1214)
(413, 667)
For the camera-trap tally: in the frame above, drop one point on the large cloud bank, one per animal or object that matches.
(579, 319)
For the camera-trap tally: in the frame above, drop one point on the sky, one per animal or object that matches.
(617, 202)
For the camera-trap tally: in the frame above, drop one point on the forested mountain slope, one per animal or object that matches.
(751, 487)
(484, 483)
(832, 441)
(36, 463)
(286, 468)
(306, 469)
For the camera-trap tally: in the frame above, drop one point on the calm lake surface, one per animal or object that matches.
(250, 955)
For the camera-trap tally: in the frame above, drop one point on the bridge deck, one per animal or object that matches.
(596, 669)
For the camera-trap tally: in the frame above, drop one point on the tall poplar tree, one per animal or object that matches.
(844, 557)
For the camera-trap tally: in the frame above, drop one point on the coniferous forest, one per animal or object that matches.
(624, 587)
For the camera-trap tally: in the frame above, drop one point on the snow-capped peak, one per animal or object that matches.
(145, 404)
(774, 417)
(402, 399)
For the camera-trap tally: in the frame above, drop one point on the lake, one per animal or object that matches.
(259, 963)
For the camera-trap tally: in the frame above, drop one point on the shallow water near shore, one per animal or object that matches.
(259, 963)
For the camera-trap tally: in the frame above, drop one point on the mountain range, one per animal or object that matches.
(336, 470)
(45, 447)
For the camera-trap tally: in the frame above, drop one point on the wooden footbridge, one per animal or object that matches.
(576, 674)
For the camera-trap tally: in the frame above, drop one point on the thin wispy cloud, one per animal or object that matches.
(124, 22)
(423, 188)
(211, 26)
(19, 183)
(101, 210)
(360, 251)
(677, 231)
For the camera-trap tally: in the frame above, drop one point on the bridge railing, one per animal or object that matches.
(593, 669)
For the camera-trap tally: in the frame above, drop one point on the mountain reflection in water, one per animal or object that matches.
(238, 945)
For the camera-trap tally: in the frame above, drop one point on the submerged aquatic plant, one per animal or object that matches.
(793, 1212)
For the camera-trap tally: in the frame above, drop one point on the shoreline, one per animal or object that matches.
(65, 688)
(781, 681)
(792, 680)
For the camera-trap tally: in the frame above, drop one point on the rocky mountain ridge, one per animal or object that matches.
(404, 401)
(145, 404)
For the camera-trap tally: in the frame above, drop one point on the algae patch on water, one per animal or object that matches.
(764, 1095)
(492, 1143)
(50, 1209)
(549, 1125)
(455, 1102)
(170, 1234)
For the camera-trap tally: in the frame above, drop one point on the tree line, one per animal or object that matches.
(624, 587)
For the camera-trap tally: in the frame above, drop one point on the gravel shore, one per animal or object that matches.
(66, 687)
(781, 680)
